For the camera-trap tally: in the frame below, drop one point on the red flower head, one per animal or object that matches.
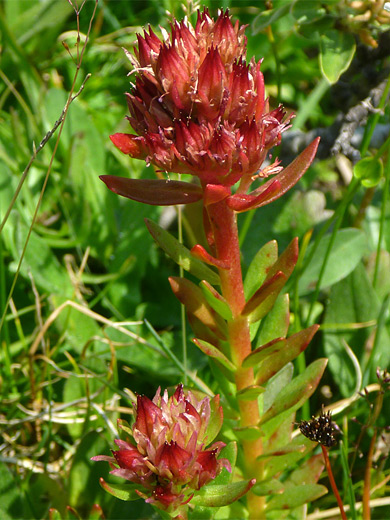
(169, 459)
(198, 107)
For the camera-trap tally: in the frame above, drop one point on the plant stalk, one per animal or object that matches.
(333, 483)
(223, 222)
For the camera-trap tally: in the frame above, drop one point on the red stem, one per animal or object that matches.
(333, 483)
(223, 222)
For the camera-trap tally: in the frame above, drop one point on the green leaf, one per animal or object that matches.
(286, 261)
(275, 385)
(250, 393)
(348, 248)
(369, 171)
(352, 301)
(122, 491)
(196, 305)
(39, 261)
(248, 433)
(11, 505)
(275, 355)
(277, 321)
(306, 12)
(181, 255)
(83, 486)
(216, 418)
(229, 452)
(266, 18)
(292, 396)
(269, 487)
(215, 353)
(336, 52)
(308, 472)
(258, 268)
(264, 298)
(218, 496)
(216, 301)
(296, 496)
(286, 457)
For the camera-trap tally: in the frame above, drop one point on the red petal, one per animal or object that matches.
(129, 144)
(156, 192)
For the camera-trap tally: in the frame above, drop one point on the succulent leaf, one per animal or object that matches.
(157, 192)
(180, 254)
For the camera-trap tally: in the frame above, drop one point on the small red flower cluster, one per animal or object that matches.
(197, 106)
(169, 460)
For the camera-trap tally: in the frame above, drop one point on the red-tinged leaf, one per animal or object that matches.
(284, 450)
(214, 193)
(201, 331)
(296, 496)
(216, 300)
(288, 177)
(277, 433)
(240, 202)
(96, 513)
(200, 253)
(180, 254)
(196, 305)
(72, 513)
(277, 321)
(215, 353)
(291, 349)
(275, 464)
(264, 298)
(54, 514)
(269, 487)
(125, 492)
(258, 355)
(286, 261)
(292, 396)
(221, 495)
(260, 266)
(157, 192)
(308, 472)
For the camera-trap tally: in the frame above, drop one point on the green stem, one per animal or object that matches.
(386, 188)
(223, 222)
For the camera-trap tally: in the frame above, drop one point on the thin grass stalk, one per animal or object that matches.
(385, 197)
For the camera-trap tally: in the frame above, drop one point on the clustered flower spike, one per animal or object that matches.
(320, 429)
(168, 458)
(197, 106)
